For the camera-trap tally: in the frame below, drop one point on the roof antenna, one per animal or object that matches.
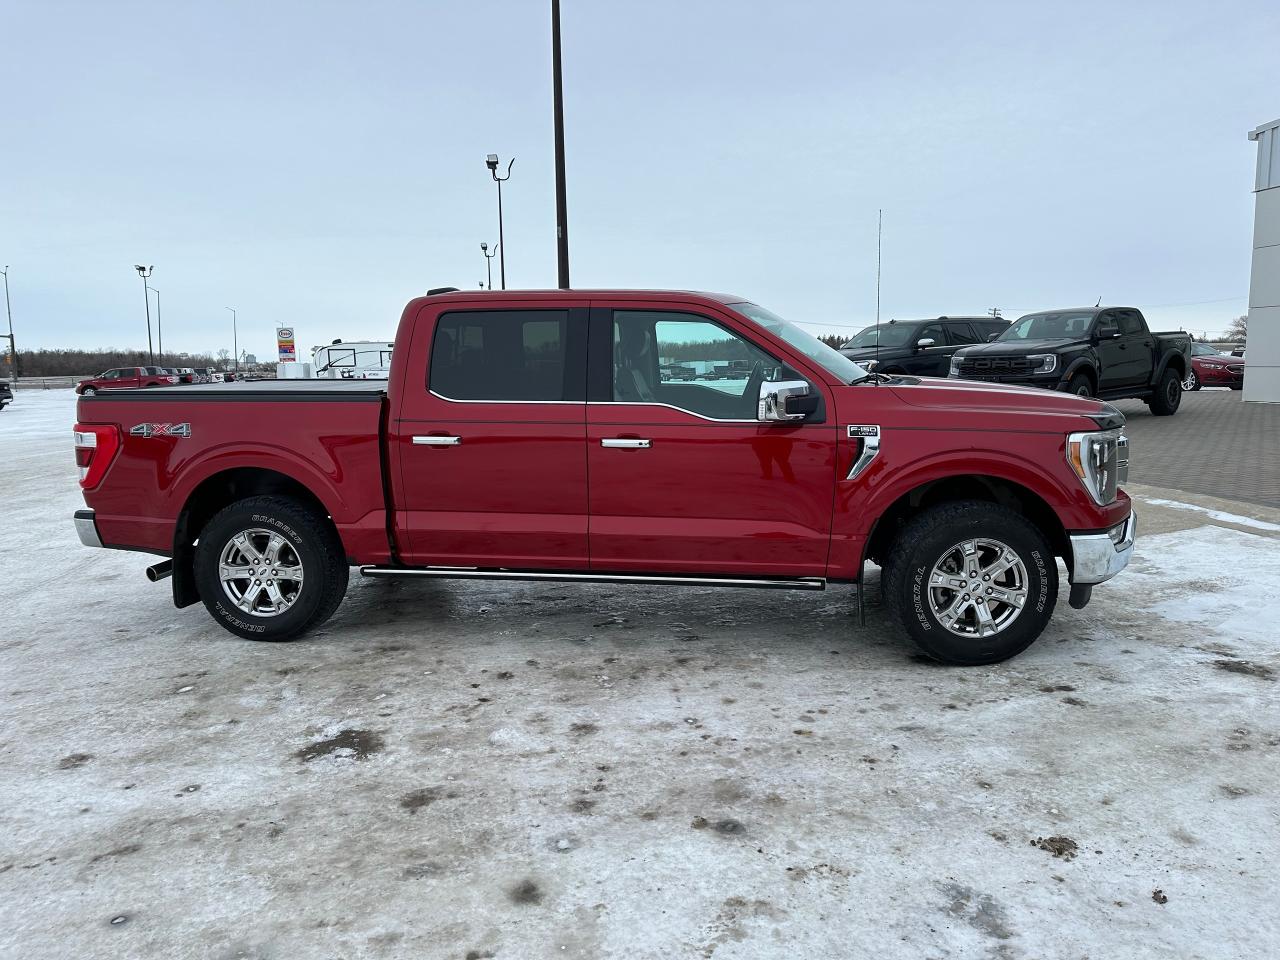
(879, 230)
(1099, 303)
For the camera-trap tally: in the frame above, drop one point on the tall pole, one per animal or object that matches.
(145, 274)
(13, 351)
(235, 343)
(491, 161)
(502, 246)
(879, 226)
(557, 93)
(159, 325)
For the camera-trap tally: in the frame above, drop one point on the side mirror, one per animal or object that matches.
(993, 338)
(926, 342)
(785, 400)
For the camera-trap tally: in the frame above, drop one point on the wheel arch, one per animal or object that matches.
(212, 494)
(969, 486)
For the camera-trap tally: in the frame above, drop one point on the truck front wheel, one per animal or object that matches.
(972, 582)
(270, 568)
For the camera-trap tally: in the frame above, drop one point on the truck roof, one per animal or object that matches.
(579, 294)
(1088, 309)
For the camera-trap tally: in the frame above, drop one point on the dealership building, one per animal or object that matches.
(1262, 363)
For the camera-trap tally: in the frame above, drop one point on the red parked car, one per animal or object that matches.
(1210, 368)
(531, 436)
(125, 378)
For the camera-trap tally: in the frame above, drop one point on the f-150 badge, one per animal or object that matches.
(161, 430)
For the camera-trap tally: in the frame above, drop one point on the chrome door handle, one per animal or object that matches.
(626, 443)
(436, 441)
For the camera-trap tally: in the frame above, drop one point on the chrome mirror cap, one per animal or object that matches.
(773, 400)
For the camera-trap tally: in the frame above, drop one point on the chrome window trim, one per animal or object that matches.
(669, 406)
(441, 396)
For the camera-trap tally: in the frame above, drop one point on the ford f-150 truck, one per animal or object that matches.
(1105, 352)
(531, 435)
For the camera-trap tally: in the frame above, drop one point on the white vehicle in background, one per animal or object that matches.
(354, 360)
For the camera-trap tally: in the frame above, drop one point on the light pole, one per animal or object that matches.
(488, 261)
(13, 351)
(159, 325)
(491, 161)
(235, 344)
(145, 273)
(557, 107)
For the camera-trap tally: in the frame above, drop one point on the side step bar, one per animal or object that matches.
(468, 573)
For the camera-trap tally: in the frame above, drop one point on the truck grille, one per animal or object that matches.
(996, 366)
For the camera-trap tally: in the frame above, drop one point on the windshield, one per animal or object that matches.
(1050, 326)
(836, 364)
(889, 335)
(1203, 350)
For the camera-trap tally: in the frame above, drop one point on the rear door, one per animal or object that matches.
(490, 438)
(683, 477)
(125, 377)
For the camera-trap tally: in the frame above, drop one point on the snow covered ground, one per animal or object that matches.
(471, 770)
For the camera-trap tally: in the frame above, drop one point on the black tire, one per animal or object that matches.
(88, 392)
(1192, 382)
(1081, 384)
(1165, 401)
(307, 535)
(928, 539)
(1237, 386)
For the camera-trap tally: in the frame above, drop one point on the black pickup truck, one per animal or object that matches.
(1103, 352)
(6, 395)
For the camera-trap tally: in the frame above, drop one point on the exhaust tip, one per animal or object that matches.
(159, 571)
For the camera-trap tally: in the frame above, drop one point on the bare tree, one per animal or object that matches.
(1238, 328)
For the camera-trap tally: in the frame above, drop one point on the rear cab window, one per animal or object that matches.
(511, 356)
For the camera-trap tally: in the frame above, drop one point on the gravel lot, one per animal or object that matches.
(471, 770)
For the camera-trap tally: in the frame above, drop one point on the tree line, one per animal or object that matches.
(71, 363)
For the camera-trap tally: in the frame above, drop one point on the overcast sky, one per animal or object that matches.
(317, 164)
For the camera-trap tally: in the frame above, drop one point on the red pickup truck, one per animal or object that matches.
(127, 378)
(531, 435)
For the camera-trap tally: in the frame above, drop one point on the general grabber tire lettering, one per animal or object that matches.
(955, 560)
(270, 568)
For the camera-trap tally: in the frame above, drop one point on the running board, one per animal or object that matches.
(467, 573)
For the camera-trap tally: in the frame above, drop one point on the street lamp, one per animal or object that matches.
(488, 261)
(491, 161)
(145, 273)
(159, 325)
(235, 344)
(13, 352)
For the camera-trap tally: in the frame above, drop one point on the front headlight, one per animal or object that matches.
(955, 366)
(1095, 458)
(1044, 362)
(870, 364)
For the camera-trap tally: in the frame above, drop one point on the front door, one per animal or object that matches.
(683, 477)
(1126, 361)
(930, 361)
(490, 439)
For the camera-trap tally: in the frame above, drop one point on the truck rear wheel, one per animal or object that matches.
(270, 568)
(1165, 401)
(971, 581)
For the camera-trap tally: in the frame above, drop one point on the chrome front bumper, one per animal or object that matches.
(87, 528)
(1096, 557)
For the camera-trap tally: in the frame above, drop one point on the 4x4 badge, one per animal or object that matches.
(161, 430)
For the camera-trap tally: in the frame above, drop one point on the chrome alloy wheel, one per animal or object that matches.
(977, 588)
(1190, 382)
(261, 573)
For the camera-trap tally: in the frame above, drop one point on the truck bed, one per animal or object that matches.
(244, 390)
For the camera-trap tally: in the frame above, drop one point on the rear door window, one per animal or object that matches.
(961, 333)
(507, 356)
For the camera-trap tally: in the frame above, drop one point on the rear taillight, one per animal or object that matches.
(96, 446)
